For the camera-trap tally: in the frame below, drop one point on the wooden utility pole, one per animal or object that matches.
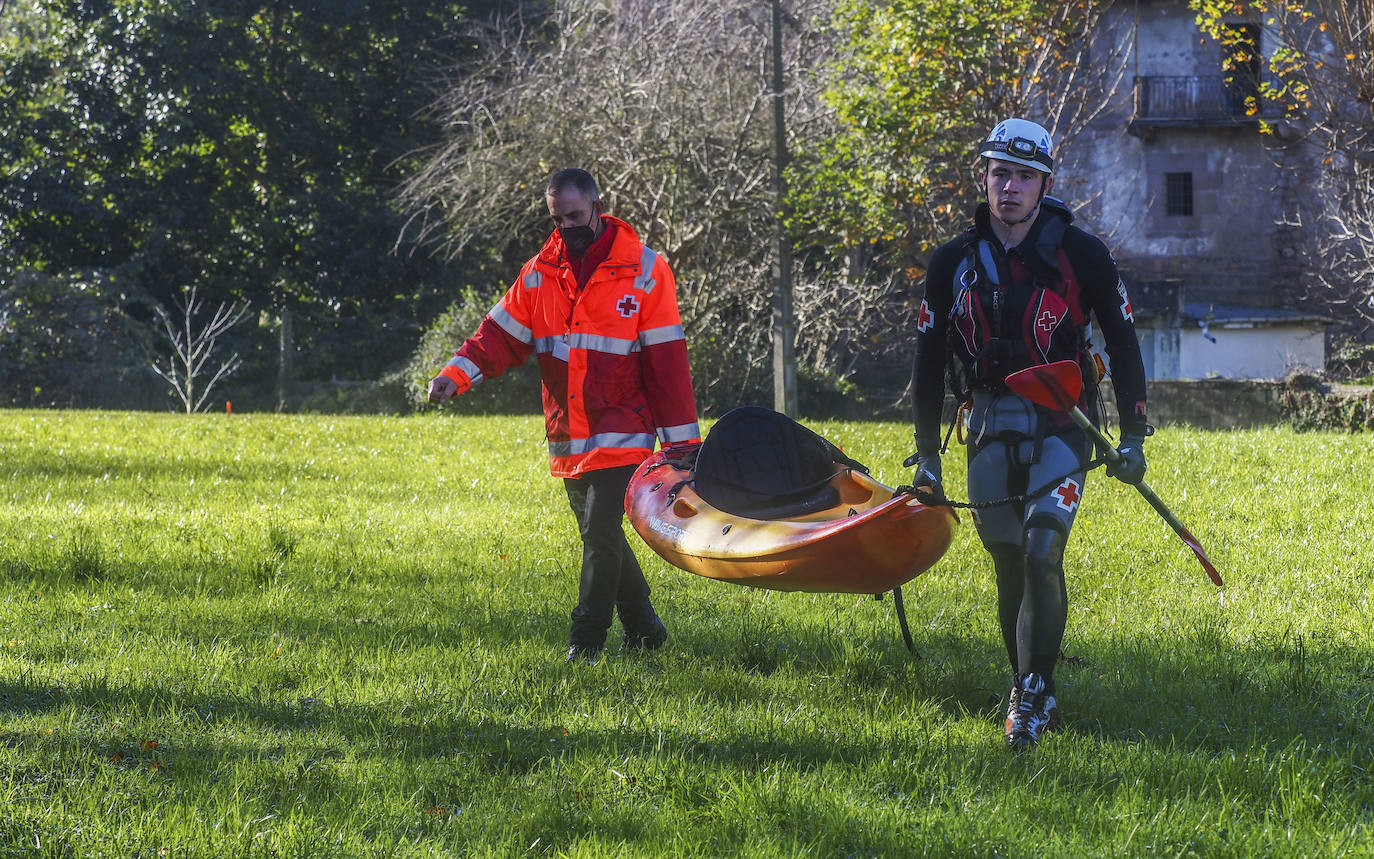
(784, 333)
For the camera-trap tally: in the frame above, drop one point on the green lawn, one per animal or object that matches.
(309, 636)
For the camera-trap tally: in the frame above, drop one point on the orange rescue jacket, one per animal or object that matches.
(612, 356)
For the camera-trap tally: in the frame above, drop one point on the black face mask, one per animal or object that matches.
(578, 239)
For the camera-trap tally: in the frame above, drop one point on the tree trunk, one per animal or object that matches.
(286, 352)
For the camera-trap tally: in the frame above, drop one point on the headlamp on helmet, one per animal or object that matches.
(1020, 141)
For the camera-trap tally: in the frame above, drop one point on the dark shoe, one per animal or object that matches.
(1013, 703)
(1031, 712)
(643, 629)
(584, 652)
(651, 640)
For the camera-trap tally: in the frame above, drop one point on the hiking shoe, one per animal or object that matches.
(1013, 701)
(651, 640)
(1031, 712)
(583, 652)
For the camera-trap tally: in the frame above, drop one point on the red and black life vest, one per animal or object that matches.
(1017, 309)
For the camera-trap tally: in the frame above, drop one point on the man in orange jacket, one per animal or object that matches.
(599, 311)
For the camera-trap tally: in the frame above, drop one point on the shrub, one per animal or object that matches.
(1308, 404)
(70, 340)
(515, 392)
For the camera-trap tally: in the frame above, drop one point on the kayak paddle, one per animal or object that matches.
(1057, 386)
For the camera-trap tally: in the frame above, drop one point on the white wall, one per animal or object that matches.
(1266, 352)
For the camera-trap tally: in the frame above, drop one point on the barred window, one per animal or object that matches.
(1178, 194)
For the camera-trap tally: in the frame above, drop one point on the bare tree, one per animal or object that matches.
(676, 128)
(1340, 245)
(1334, 96)
(1317, 97)
(194, 340)
(668, 105)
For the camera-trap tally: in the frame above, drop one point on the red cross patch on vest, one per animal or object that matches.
(1047, 320)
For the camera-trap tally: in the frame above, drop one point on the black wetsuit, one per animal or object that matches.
(1015, 445)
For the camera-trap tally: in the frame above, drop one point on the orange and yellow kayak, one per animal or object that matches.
(871, 541)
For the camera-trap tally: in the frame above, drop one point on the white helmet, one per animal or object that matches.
(1021, 141)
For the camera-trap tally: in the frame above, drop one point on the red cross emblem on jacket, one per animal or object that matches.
(1126, 312)
(628, 306)
(924, 318)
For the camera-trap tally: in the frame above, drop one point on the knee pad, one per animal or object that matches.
(1044, 545)
(1040, 631)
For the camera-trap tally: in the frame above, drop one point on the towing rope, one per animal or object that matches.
(938, 499)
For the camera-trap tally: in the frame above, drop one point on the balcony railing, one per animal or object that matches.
(1192, 99)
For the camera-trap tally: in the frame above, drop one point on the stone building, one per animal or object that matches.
(1177, 177)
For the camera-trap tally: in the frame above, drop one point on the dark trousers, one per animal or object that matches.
(611, 575)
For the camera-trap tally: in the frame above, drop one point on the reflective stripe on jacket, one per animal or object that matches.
(613, 356)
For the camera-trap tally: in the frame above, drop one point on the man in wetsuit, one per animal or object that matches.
(1020, 288)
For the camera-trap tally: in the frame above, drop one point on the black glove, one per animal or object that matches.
(928, 478)
(927, 471)
(1130, 468)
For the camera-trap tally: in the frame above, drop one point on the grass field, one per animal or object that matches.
(309, 636)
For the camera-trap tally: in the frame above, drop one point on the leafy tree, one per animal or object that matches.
(20, 23)
(249, 149)
(917, 84)
(1316, 97)
(518, 390)
(71, 339)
